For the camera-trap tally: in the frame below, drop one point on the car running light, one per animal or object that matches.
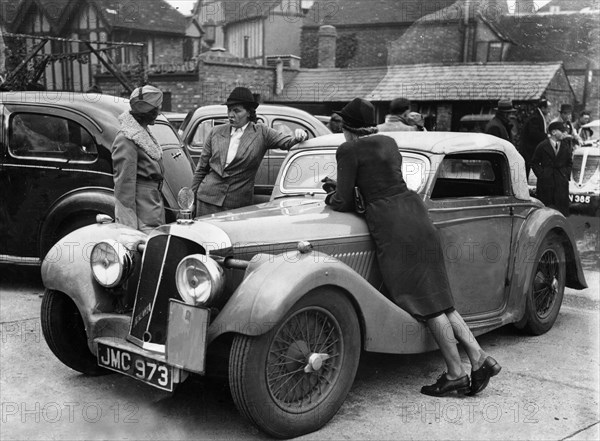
(111, 263)
(199, 279)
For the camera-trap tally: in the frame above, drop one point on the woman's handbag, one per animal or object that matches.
(359, 202)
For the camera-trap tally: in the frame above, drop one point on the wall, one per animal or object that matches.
(282, 35)
(357, 46)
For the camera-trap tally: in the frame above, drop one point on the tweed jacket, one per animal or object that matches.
(553, 172)
(137, 171)
(233, 186)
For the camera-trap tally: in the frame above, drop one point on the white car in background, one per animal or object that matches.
(584, 187)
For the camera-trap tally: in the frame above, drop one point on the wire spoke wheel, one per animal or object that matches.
(546, 283)
(304, 360)
(293, 379)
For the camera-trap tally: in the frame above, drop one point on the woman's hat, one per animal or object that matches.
(566, 108)
(241, 95)
(358, 113)
(145, 99)
(505, 106)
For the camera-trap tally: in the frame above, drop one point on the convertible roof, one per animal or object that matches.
(444, 143)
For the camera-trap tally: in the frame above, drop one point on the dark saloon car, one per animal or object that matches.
(56, 167)
(282, 297)
(199, 122)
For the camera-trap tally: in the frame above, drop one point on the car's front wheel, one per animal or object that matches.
(545, 293)
(293, 380)
(64, 332)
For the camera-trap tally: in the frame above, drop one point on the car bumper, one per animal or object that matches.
(584, 202)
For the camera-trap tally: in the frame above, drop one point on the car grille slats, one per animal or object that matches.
(591, 166)
(576, 171)
(157, 286)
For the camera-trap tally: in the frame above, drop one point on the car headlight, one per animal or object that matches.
(199, 279)
(111, 263)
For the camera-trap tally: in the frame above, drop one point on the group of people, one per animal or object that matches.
(395, 215)
(547, 147)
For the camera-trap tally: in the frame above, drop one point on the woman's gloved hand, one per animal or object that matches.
(329, 185)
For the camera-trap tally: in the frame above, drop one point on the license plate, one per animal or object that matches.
(152, 372)
(580, 199)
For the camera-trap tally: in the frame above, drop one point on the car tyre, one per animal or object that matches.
(546, 291)
(64, 331)
(282, 382)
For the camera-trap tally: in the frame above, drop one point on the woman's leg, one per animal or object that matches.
(442, 330)
(467, 339)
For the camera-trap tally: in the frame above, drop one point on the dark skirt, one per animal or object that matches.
(410, 255)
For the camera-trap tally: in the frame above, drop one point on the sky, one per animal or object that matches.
(186, 6)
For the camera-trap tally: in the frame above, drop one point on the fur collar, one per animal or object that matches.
(141, 137)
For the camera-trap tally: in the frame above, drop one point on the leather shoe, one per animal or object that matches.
(481, 377)
(444, 386)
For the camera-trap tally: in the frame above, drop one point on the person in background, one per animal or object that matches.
(335, 123)
(137, 163)
(232, 153)
(552, 162)
(397, 120)
(500, 125)
(584, 133)
(400, 226)
(417, 120)
(571, 137)
(534, 132)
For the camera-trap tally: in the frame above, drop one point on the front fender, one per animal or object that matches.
(538, 225)
(273, 284)
(66, 268)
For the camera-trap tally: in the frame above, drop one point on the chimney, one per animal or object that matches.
(279, 77)
(525, 7)
(327, 44)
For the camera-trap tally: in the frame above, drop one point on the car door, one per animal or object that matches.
(47, 153)
(471, 203)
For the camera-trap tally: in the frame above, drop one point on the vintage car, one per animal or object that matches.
(200, 121)
(283, 296)
(584, 186)
(56, 167)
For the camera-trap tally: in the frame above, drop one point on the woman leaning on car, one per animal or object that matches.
(401, 229)
(137, 163)
(232, 153)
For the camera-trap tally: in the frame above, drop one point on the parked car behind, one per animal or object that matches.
(475, 122)
(199, 122)
(56, 167)
(584, 186)
(283, 296)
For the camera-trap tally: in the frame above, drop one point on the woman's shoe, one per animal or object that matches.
(444, 386)
(481, 377)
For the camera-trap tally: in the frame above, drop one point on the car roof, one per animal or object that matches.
(101, 108)
(477, 117)
(265, 109)
(440, 143)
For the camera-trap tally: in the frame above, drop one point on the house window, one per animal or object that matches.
(495, 52)
(489, 51)
(246, 46)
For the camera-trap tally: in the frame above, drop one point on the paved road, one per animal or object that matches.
(548, 388)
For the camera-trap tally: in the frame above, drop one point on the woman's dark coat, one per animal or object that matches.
(408, 245)
(553, 172)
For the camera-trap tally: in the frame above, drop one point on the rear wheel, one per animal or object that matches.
(293, 380)
(547, 288)
(65, 334)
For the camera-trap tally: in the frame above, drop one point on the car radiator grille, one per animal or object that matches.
(157, 286)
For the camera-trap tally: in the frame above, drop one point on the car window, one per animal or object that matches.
(165, 135)
(304, 172)
(51, 137)
(471, 175)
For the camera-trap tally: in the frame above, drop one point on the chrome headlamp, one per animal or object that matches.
(111, 263)
(199, 279)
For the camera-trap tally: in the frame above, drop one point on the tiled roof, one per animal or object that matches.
(146, 15)
(239, 10)
(369, 12)
(423, 82)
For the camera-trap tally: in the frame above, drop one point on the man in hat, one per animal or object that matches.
(565, 116)
(500, 124)
(552, 162)
(584, 133)
(137, 163)
(232, 153)
(397, 120)
(534, 132)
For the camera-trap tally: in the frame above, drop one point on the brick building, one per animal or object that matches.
(363, 28)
